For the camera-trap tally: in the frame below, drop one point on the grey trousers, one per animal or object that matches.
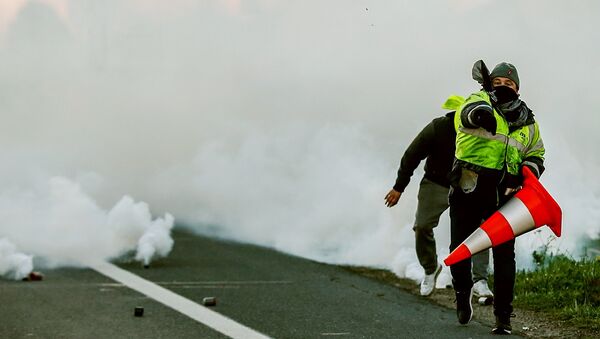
(432, 202)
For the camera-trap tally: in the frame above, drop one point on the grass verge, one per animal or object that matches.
(560, 299)
(563, 287)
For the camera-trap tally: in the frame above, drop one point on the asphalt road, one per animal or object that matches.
(276, 294)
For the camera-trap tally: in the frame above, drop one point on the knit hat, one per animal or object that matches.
(506, 70)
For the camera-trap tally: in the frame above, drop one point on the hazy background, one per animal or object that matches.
(279, 123)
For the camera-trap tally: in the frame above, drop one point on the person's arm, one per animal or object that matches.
(534, 155)
(479, 114)
(533, 158)
(418, 150)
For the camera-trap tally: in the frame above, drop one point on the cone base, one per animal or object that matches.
(544, 209)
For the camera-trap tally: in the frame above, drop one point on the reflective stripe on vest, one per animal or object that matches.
(479, 147)
(481, 133)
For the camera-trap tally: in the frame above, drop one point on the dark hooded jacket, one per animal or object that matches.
(436, 143)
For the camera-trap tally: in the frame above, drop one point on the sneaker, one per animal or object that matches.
(464, 309)
(481, 289)
(502, 325)
(428, 283)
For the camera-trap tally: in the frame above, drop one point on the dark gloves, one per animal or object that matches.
(512, 181)
(485, 120)
(533, 170)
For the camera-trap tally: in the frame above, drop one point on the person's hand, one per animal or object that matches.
(510, 191)
(392, 198)
(533, 170)
(485, 120)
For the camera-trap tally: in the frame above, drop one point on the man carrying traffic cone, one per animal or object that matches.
(496, 136)
(531, 207)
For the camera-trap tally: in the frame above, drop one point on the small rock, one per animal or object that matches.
(34, 276)
(209, 301)
(138, 311)
(485, 301)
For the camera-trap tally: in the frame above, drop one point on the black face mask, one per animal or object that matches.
(504, 94)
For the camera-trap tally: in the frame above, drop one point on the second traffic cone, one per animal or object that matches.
(530, 208)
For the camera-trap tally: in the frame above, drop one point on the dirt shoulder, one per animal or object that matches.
(527, 323)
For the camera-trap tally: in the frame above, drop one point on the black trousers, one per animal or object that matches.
(467, 211)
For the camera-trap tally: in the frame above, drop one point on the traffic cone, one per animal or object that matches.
(530, 208)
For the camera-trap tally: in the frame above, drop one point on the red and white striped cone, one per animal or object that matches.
(530, 208)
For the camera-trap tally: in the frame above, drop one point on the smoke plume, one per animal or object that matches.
(273, 122)
(14, 264)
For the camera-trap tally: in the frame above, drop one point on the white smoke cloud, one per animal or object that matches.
(314, 193)
(14, 264)
(156, 242)
(283, 124)
(59, 223)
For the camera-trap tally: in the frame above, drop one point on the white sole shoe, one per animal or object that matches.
(481, 289)
(428, 283)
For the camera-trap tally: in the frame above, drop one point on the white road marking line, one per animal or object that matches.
(208, 287)
(233, 282)
(117, 285)
(211, 283)
(332, 334)
(183, 305)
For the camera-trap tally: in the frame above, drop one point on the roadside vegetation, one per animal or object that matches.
(564, 287)
(559, 298)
